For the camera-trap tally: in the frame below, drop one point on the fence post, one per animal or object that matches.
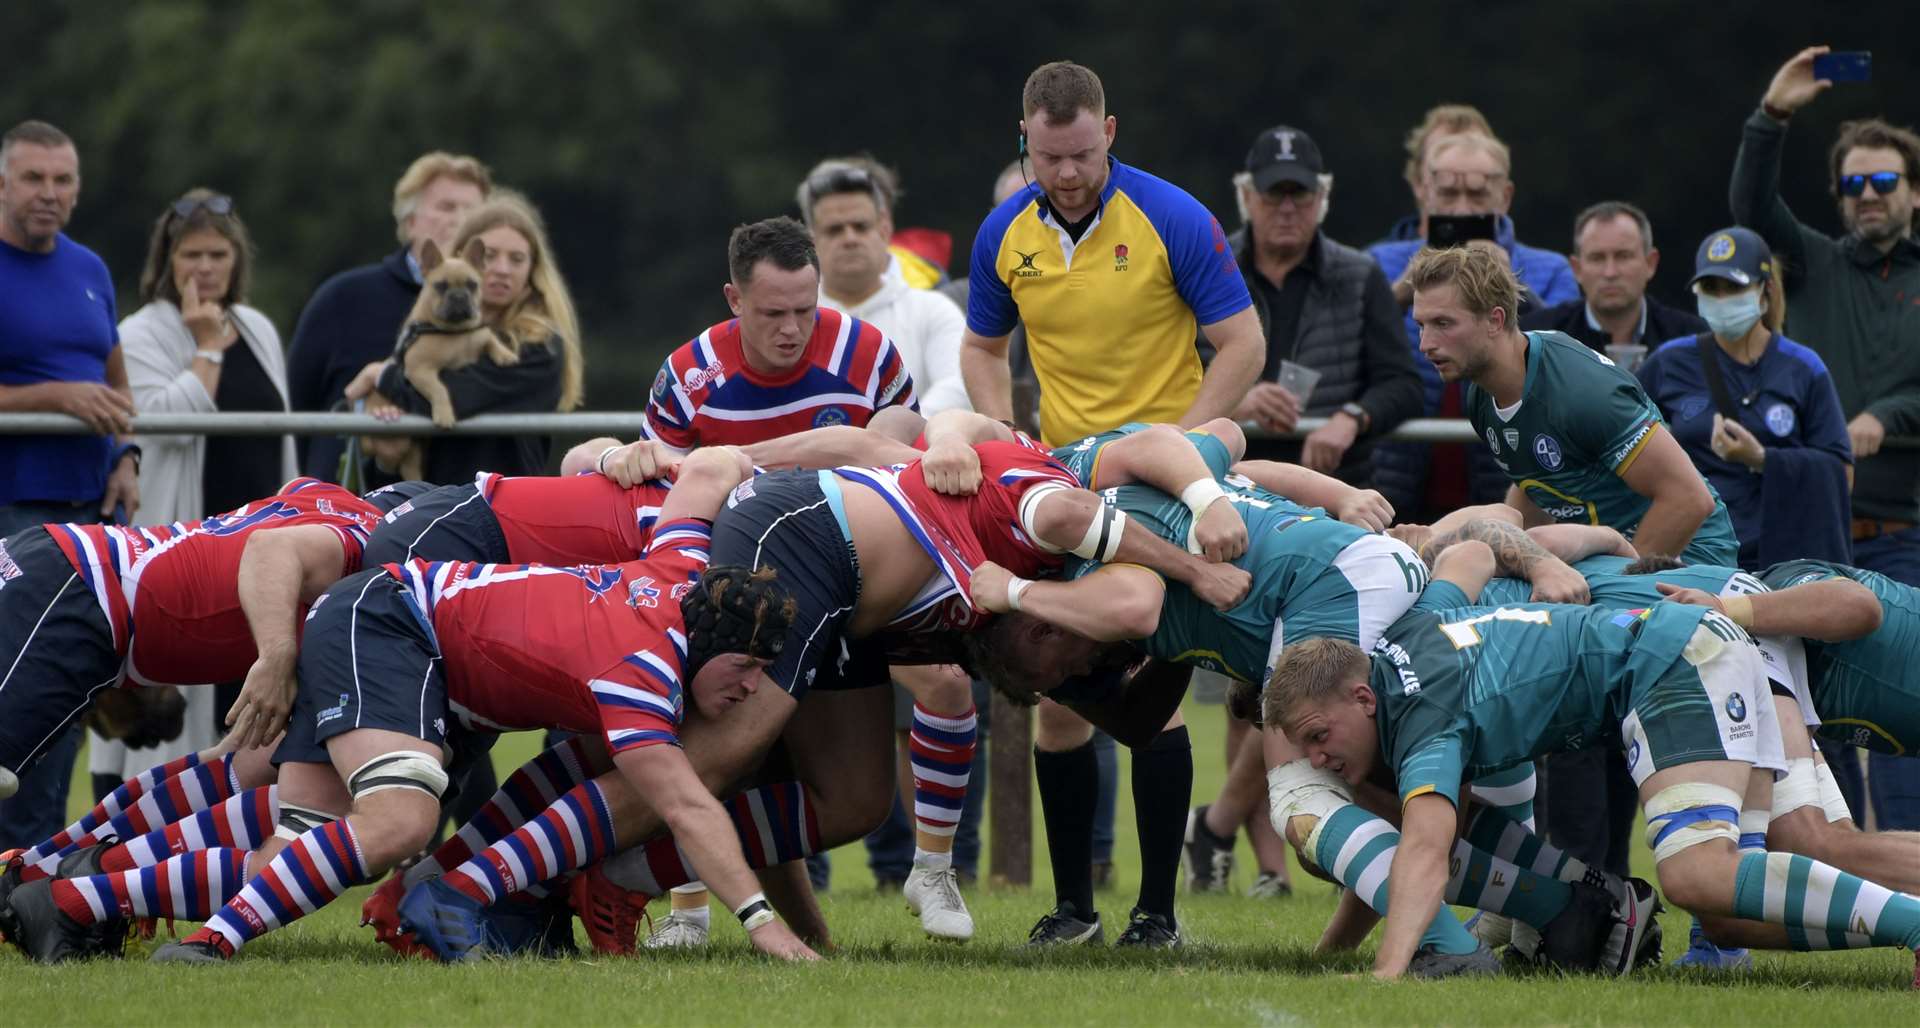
(1010, 793)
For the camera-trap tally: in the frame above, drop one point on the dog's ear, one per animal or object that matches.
(429, 257)
(475, 253)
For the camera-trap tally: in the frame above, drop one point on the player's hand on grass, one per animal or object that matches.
(1220, 533)
(1220, 586)
(1691, 597)
(265, 701)
(1555, 582)
(951, 468)
(1367, 509)
(775, 939)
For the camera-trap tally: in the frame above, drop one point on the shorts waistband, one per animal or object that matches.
(837, 502)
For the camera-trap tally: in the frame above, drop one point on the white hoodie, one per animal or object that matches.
(925, 327)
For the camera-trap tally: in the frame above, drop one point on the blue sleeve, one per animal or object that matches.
(1440, 595)
(1823, 425)
(1204, 271)
(1560, 285)
(991, 311)
(1652, 374)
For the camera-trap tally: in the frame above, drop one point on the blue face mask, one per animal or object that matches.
(1731, 317)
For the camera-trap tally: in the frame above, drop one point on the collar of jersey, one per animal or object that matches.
(1050, 217)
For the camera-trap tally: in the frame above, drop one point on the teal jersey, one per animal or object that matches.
(1612, 589)
(1083, 457)
(1467, 691)
(1581, 423)
(1865, 690)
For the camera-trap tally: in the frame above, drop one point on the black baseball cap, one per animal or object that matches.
(1284, 154)
(1738, 255)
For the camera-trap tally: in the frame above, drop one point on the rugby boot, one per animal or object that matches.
(1149, 931)
(1573, 940)
(447, 921)
(611, 913)
(1063, 927)
(85, 861)
(527, 924)
(1702, 953)
(934, 894)
(678, 931)
(11, 868)
(190, 951)
(1634, 907)
(46, 933)
(1206, 857)
(1429, 962)
(1269, 885)
(1496, 930)
(381, 912)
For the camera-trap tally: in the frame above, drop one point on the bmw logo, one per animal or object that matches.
(1633, 754)
(1547, 452)
(1736, 708)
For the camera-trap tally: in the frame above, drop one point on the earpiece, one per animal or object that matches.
(1023, 144)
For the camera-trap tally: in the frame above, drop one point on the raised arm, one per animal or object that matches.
(282, 572)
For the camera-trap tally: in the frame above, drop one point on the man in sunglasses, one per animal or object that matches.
(1852, 299)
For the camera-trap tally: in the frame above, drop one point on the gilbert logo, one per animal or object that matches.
(1026, 268)
(1120, 257)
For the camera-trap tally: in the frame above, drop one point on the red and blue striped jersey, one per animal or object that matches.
(171, 592)
(705, 394)
(579, 519)
(592, 648)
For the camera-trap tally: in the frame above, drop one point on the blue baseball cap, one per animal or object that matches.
(1738, 255)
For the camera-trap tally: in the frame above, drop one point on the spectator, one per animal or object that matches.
(847, 203)
(524, 300)
(1322, 305)
(1613, 260)
(1851, 300)
(1466, 174)
(1440, 122)
(182, 358)
(355, 316)
(1769, 434)
(59, 352)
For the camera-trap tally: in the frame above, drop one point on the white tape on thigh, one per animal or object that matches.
(1800, 788)
(1681, 799)
(1297, 787)
(1030, 509)
(1831, 799)
(295, 821)
(1755, 822)
(402, 769)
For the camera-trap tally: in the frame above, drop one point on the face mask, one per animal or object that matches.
(1731, 317)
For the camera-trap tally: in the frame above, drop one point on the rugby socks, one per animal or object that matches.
(1069, 781)
(307, 875)
(1356, 848)
(576, 830)
(1511, 792)
(241, 822)
(528, 791)
(154, 797)
(1822, 906)
(940, 749)
(1492, 831)
(1162, 788)
(190, 887)
(775, 823)
(1486, 882)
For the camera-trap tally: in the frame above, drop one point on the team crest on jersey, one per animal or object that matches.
(1780, 419)
(1120, 257)
(598, 578)
(641, 592)
(830, 416)
(1692, 407)
(679, 592)
(1736, 708)
(741, 494)
(708, 375)
(1512, 436)
(1546, 450)
(241, 520)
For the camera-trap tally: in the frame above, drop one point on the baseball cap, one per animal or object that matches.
(1284, 154)
(1738, 255)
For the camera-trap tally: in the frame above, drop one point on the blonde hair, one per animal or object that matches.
(546, 312)
(1309, 674)
(422, 172)
(1486, 144)
(1483, 280)
(1445, 119)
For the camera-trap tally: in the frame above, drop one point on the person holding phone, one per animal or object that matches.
(1850, 298)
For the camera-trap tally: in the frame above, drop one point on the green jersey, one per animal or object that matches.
(1464, 691)
(1864, 690)
(1580, 424)
(1611, 588)
(1083, 457)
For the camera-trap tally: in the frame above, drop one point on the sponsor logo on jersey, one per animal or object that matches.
(830, 416)
(333, 713)
(1633, 442)
(8, 569)
(1736, 707)
(741, 493)
(700, 377)
(598, 578)
(894, 385)
(1780, 419)
(1633, 755)
(1026, 268)
(679, 592)
(398, 512)
(662, 387)
(440, 725)
(1512, 436)
(1493, 439)
(1546, 450)
(641, 592)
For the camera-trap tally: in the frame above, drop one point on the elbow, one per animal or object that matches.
(723, 466)
(1859, 612)
(1467, 559)
(1136, 616)
(1228, 431)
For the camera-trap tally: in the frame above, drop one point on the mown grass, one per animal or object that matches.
(1246, 962)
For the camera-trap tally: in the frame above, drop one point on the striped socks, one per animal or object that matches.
(155, 797)
(940, 749)
(573, 832)
(1356, 848)
(241, 822)
(775, 823)
(307, 875)
(529, 790)
(190, 887)
(1822, 906)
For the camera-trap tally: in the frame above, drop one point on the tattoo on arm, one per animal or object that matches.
(1515, 554)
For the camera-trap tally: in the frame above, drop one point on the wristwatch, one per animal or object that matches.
(211, 356)
(126, 450)
(1358, 414)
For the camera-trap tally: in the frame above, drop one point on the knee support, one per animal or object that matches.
(1800, 787)
(1686, 815)
(403, 769)
(296, 821)
(1298, 788)
(1832, 801)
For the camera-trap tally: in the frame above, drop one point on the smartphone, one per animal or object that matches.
(1844, 66)
(1444, 230)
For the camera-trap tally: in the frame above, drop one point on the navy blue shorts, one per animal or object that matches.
(56, 645)
(452, 522)
(368, 659)
(784, 520)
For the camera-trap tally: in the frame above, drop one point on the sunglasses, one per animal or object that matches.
(842, 178)
(217, 205)
(1884, 183)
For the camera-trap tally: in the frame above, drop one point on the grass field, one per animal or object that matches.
(1246, 962)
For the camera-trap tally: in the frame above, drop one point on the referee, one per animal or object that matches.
(1114, 273)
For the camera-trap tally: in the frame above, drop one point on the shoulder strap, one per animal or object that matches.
(1716, 381)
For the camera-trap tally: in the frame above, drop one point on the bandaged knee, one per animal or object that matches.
(296, 820)
(1686, 815)
(1832, 800)
(1296, 789)
(1799, 788)
(403, 769)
